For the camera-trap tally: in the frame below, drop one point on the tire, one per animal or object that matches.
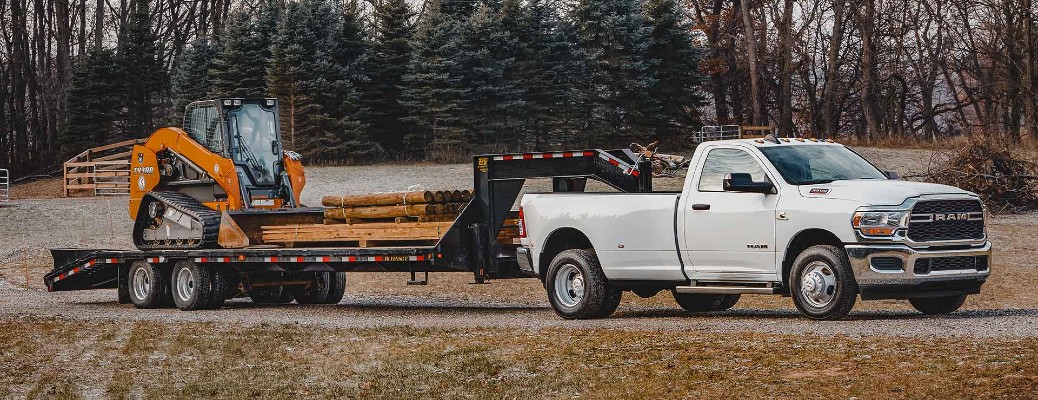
(577, 287)
(822, 283)
(270, 295)
(938, 305)
(316, 293)
(147, 286)
(192, 286)
(337, 288)
(703, 302)
(220, 289)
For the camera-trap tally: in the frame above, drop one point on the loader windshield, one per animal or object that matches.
(254, 144)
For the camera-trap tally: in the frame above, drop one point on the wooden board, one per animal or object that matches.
(367, 233)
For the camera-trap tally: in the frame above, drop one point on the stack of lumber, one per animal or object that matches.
(401, 207)
(362, 235)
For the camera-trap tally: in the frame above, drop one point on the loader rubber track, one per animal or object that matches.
(209, 218)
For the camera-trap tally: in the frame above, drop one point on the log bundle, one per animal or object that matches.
(401, 207)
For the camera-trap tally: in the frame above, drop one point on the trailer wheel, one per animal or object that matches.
(938, 305)
(315, 293)
(704, 302)
(577, 287)
(822, 283)
(192, 286)
(220, 289)
(336, 287)
(147, 286)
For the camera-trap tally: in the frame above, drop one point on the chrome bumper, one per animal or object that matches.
(876, 283)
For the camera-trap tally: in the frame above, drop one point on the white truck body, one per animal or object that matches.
(707, 237)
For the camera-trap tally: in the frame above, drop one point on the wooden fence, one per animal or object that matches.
(100, 171)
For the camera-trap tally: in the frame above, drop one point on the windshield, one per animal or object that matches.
(806, 165)
(254, 133)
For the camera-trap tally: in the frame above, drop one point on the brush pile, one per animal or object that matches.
(1005, 180)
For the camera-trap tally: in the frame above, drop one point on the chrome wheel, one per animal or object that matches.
(185, 284)
(818, 284)
(569, 285)
(141, 283)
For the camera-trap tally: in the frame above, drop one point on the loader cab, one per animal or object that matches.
(248, 132)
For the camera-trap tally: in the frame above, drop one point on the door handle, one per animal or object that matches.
(700, 207)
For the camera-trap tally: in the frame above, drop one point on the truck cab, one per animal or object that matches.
(804, 218)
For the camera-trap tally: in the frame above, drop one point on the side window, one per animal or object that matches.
(202, 123)
(720, 162)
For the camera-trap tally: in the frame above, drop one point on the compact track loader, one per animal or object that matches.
(215, 181)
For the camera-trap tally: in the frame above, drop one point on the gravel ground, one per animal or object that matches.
(28, 228)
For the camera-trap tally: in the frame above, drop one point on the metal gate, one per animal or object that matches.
(5, 185)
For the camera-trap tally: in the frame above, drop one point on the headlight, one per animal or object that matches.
(880, 223)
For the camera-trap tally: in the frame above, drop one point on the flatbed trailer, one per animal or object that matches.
(469, 245)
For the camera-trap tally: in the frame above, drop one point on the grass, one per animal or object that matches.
(196, 360)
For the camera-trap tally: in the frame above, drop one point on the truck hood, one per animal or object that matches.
(869, 192)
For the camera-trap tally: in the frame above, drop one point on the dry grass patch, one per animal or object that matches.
(234, 362)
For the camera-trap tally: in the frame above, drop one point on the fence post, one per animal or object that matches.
(5, 185)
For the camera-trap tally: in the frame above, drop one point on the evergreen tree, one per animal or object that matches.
(240, 68)
(551, 70)
(614, 36)
(484, 70)
(293, 46)
(145, 82)
(191, 80)
(93, 102)
(676, 95)
(386, 66)
(434, 97)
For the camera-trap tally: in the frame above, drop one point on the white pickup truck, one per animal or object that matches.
(803, 218)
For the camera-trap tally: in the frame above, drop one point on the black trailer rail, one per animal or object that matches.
(469, 245)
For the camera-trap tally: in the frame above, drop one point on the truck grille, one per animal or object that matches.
(924, 266)
(940, 220)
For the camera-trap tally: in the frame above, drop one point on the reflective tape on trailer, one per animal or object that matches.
(154, 260)
(354, 259)
(212, 259)
(616, 162)
(87, 265)
(537, 156)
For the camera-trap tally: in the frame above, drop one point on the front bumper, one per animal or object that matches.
(877, 275)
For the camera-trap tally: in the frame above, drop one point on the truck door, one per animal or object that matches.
(729, 234)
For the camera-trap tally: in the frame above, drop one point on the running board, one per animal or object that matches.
(728, 288)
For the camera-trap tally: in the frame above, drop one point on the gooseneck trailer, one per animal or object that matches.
(204, 278)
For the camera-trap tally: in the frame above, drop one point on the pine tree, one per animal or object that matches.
(145, 82)
(614, 37)
(676, 95)
(484, 70)
(191, 80)
(434, 98)
(240, 68)
(386, 66)
(293, 45)
(94, 101)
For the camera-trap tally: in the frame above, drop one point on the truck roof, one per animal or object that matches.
(762, 142)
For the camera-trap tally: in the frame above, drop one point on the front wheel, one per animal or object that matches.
(577, 287)
(822, 283)
(938, 305)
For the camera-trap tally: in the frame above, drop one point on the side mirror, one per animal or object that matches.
(743, 182)
(892, 175)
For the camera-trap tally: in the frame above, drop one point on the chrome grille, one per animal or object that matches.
(926, 265)
(940, 220)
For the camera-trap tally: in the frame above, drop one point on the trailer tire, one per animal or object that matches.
(337, 288)
(577, 287)
(220, 289)
(704, 302)
(147, 286)
(316, 293)
(938, 305)
(192, 286)
(822, 283)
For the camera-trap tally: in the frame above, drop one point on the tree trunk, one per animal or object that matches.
(830, 108)
(870, 92)
(785, 123)
(751, 55)
(1029, 130)
(99, 24)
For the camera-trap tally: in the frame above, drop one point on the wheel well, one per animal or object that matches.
(560, 240)
(800, 242)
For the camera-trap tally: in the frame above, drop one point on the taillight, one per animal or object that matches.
(522, 224)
